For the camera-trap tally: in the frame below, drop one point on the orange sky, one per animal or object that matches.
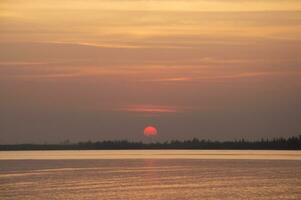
(94, 69)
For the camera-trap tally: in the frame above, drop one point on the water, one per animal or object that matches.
(150, 175)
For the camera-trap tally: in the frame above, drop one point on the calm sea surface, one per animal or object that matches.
(150, 175)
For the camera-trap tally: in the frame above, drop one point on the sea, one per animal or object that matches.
(150, 175)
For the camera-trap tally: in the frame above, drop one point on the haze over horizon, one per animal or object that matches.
(99, 70)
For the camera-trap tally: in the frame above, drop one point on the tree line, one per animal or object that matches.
(290, 143)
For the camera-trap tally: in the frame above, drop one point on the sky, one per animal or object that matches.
(103, 70)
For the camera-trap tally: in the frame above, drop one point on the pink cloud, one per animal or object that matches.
(149, 109)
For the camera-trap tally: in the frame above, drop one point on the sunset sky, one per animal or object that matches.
(105, 69)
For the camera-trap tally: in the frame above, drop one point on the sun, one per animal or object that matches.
(150, 131)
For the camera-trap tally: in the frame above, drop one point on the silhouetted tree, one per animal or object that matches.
(290, 143)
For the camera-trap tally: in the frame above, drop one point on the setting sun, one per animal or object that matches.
(150, 131)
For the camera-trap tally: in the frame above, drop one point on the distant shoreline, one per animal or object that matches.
(291, 143)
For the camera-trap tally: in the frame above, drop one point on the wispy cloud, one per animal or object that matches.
(237, 76)
(89, 44)
(172, 79)
(22, 63)
(212, 77)
(152, 109)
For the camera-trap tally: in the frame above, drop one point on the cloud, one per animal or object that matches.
(22, 63)
(213, 77)
(172, 79)
(152, 109)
